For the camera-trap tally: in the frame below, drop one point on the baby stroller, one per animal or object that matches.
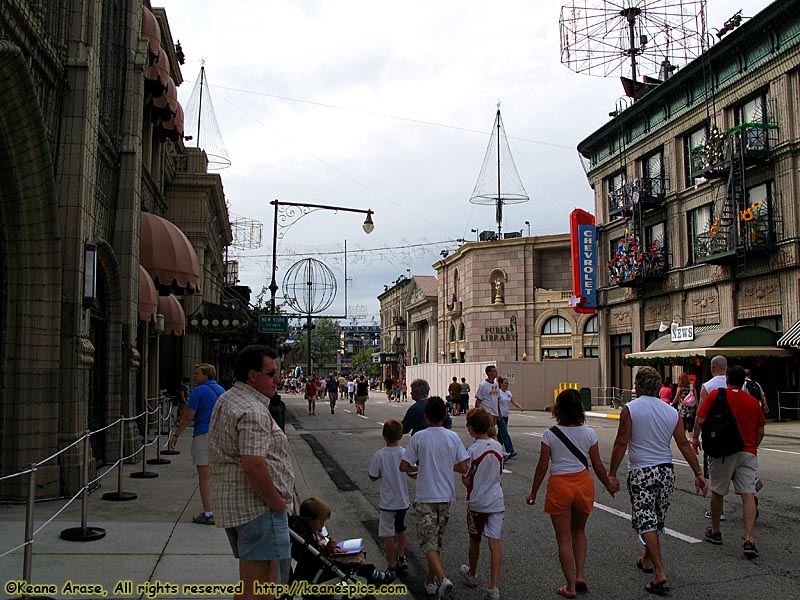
(313, 566)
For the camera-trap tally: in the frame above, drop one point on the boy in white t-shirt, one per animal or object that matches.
(485, 504)
(385, 466)
(437, 452)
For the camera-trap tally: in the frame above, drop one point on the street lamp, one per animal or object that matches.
(512, 327)
(288, 213)
(528, 223)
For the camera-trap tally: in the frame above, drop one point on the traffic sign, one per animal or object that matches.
(273, 324)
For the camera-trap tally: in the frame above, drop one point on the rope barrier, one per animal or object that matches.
(75, 443)
(59, 511)
(16, 475)
(22, 545)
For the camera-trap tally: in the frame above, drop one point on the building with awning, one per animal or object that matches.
(696, 209)
(98, 249)
(743, 343)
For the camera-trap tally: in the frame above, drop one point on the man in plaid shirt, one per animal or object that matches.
(251, 471)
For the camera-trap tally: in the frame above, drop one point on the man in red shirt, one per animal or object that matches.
(741, 467)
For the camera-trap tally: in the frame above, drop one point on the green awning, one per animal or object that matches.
(746, 341)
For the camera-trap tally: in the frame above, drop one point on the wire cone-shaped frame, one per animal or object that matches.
(498, 184)
(201, 123)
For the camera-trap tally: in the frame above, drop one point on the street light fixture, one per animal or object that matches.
(288, 213)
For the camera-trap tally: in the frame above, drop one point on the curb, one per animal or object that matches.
(598, 415)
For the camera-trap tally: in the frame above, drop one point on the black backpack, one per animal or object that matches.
(754, 389)
(721, 435)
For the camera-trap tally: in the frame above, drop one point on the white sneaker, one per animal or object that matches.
(431, 588)
(470, 580)
(445, 589)
(492, 594)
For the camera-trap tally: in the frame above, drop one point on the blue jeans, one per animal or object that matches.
(502, 434)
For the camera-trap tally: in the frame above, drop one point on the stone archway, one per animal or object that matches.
(32, 284)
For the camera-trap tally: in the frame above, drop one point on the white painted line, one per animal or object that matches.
(781, 451)
(506, 471)
(532, 433)
(797, 487)
(348, 411)
(362, 417)
(671, 532)
(601, 415)
(524, 415)
(680, 462)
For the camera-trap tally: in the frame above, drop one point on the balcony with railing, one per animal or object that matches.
(634, 263)
(642, 192)
(750, 231)
(752, 143)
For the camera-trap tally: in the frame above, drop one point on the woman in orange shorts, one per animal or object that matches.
(570, 489)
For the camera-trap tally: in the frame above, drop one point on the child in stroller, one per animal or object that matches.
(317, 556)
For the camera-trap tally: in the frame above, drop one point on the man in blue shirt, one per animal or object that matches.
(414, 419)
(201, 405)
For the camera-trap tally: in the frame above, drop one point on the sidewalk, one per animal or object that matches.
(786, 429)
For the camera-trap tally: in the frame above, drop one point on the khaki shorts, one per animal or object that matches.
(200, 450)
(431, 522)
(741, 468)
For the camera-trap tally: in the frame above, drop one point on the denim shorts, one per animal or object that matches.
(264, 538)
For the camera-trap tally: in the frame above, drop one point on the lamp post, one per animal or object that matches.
(286, 215)
(512, 327)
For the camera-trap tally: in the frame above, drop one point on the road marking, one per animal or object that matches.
(362, 417)
(797, 487)
(348, 411)
(781, 451)
(686, 538)
(528, 416)
(532, 433)
(680, 462)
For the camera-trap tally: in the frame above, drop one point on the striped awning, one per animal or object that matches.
(791, 338)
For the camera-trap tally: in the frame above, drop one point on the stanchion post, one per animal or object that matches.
(84, 533)
(28, 554)
(144, 473)
(119, 495)
(160, 416)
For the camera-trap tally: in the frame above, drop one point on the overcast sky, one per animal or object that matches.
(388, 106)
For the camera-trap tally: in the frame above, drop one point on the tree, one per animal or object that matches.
(364, 357)
(324, 343)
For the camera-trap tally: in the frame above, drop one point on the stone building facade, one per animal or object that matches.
(506, 300)
(91, 138)
(696, 200)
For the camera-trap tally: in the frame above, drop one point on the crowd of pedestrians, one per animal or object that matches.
(245, 472)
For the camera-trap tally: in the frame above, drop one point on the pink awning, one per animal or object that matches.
(173, 129)
(168, 256)
(159, 70)
(151, 31)
(148, 296)
(174, 317)
(167, 104)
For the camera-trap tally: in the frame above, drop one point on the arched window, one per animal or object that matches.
(452, 333)
(591, 325)
(455, 285)
(556, 326)
(462, 333)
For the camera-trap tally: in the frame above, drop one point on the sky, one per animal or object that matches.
(389, 106)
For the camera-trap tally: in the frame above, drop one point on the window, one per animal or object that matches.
(462, 333)
(556, 326)
(752, 114)
(591, 352)
(591, 326)
(452, 333)
(655, 235)
(693, 140)
(621, 376)
(616, 189)
(556, 353)
(699, 223)
(756, 217)
(653, 174)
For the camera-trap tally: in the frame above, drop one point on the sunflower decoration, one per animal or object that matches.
(746, 214)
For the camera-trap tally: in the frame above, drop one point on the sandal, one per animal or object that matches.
(581, 586)
(660, 589)
(640, 564)
(562, 591)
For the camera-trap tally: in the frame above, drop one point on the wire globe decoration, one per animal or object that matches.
(309, 286)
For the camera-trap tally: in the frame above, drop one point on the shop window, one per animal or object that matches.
(548, 353)
(621, 376)
(556, 326)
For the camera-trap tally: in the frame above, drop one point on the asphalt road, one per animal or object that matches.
(345, 442)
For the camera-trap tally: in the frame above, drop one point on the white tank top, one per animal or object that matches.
(654, 423)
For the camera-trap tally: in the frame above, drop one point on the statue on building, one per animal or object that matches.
(498, 291)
